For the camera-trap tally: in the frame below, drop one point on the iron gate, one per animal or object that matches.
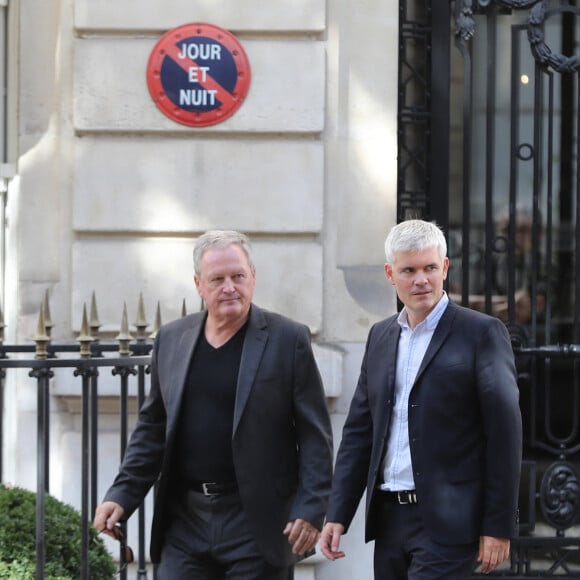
(488, 147)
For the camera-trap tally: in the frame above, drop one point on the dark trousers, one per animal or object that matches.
(209, 539)
(403, 551)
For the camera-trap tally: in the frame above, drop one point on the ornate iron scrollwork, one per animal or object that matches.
(542, 53)
(464, 23)
(560, 495)
(465, 29)
(515, 4)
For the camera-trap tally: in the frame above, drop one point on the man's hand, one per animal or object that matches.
(492, 552)
(302, 535)
(330, 540)
(106, 516)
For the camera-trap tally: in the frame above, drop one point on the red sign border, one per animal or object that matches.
(157, 91)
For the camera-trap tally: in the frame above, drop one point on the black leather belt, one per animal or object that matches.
(400, 497)
(215, 488)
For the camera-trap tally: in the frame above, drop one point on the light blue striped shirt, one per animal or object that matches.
(413, 343)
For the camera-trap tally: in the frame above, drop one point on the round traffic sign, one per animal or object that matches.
(198, 74)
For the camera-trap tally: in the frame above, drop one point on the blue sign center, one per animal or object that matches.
(190, 84)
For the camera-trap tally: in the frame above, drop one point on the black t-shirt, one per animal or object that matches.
(204, 437)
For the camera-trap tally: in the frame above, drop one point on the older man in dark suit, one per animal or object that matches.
(434, 429)
(235, 431)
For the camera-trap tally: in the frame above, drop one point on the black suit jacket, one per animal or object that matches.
(465, 429)
(281, 441)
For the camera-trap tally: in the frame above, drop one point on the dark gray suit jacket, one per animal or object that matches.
(282, 444)
(465, 429)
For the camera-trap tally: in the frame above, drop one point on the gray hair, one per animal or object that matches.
(414, 236)
(220, 239)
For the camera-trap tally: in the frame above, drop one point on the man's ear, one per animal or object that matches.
(389, 273)
(445, 267)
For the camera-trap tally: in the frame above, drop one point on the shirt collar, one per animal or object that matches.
(432, 319)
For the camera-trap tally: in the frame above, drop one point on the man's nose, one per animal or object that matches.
(229, 285)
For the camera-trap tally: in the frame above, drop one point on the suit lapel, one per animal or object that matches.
(254, 345)
(384, 379)
(181, 359)
(439, 336)
(392, 340)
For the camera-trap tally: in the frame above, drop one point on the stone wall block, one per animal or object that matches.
(286, 93)
(153, 185)
(288, 278)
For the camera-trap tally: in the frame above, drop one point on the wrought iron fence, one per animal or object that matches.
(88, 359)
(126, 359)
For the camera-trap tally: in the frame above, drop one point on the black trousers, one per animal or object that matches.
(403, 551)
(209, 539)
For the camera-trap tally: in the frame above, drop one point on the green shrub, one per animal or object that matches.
(62, 540)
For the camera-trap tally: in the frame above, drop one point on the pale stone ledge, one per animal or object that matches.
(250, 15)
(286, 93)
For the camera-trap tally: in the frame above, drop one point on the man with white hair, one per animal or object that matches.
(434, 430)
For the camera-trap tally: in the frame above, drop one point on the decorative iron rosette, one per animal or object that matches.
(541, 51)
(560, 495)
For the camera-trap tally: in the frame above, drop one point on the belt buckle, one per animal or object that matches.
(205, 489)
(406, 497)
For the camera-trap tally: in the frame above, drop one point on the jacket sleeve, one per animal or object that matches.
(502, 423)
(313, 433)
(354, 454)
(143, 457)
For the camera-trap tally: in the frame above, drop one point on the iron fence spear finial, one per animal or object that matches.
(157, 323)
(2, 325)
(85, 338)
(41, 338)
(94, 322)
(124, 337)
(47, 318)
(141, 322)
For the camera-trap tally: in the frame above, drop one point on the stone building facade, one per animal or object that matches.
(103, 193)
